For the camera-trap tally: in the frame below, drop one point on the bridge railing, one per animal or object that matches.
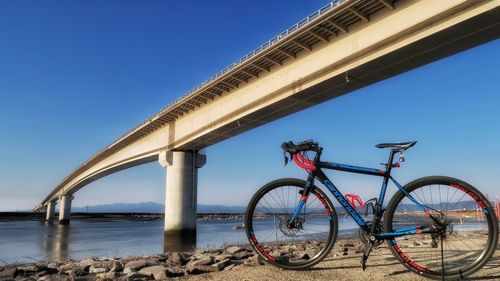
(289, 31)
(281, 36)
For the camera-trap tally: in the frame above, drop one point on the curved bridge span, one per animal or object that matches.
(344, 46)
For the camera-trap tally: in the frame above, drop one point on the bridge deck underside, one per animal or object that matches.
(448, 42)
(321, 31)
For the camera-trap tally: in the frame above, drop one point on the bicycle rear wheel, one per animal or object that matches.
(466, 230)
(267, 225)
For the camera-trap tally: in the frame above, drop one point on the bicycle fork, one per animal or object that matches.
(303, 199)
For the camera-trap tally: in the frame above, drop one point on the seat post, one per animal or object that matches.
(389, 162)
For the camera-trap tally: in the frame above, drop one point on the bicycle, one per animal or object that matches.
(451, 227)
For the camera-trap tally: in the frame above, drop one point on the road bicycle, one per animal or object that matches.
(438, 227)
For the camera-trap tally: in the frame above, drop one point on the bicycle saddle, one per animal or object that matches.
(401, 146)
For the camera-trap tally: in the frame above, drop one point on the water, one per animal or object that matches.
(29, 240)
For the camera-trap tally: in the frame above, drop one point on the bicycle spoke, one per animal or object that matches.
(460, 244)
(297, 243)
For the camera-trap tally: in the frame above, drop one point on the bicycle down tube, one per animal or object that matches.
(320, 175)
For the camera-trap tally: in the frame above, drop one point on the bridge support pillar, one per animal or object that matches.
(65, 209)
(51, 210)
(181, 198)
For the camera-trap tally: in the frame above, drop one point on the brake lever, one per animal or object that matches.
(285, 158)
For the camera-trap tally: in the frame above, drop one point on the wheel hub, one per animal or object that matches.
(287, 227)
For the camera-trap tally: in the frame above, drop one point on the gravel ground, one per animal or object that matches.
(381, 266)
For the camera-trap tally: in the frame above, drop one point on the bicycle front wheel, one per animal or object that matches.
(269, 232)
(463, 226)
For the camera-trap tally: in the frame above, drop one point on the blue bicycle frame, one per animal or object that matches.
(317, 173)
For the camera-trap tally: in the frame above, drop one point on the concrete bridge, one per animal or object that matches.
(344, 46)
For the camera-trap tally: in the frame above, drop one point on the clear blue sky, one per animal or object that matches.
(76, 75)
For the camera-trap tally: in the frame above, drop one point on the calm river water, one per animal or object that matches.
(28, 240)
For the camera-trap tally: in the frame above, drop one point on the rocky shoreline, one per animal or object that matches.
(153, 267)
(182, 264)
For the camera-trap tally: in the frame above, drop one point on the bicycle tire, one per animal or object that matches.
(418, 258)
(291, 251)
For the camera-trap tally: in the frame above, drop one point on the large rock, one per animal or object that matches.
(201, 260)
(136, 264)
(117, 267)
(175, 271)
(198, 269)
(8, 273)
(86, 262)
(107, 276)
(73, 269)
(234, 249)
(176, 258)
(135, 276)
(128, 270)
(223, 256)
(108, 264)
(56, 277)
(97, 270)
(54, 265)
(90, 277)
(241, 255)
(156, 271)
(30, 268)
(254, 260)
(222, 264)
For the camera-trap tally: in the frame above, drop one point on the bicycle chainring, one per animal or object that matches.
(365, 238)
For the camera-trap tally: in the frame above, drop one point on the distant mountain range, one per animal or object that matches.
(152, 207)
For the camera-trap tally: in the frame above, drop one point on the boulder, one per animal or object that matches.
(97, 270)
(241, 255)
(202, 260)
(222, 264)
(104, 264)
(175, 272)
(73, 269)
(89, 277)
(86, 262)
(176, 258)
(135, 276)
(117, 267)
(223, 256)
(129, 270)
(234, 249)
(199, 269)
(254, 260)
(156, 271)
(29, 269)
(136, 264)
(107, 276)
(54, 265)
(8, 273)
(56, 277)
